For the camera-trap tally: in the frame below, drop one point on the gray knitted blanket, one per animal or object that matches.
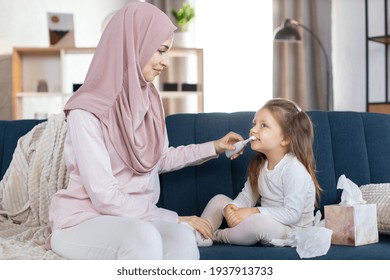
(36, 172)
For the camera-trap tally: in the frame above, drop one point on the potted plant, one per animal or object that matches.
(184, 16)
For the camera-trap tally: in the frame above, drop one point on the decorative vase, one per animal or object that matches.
(42, 86)
(183, 39)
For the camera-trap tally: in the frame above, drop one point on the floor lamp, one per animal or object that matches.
(288, 32)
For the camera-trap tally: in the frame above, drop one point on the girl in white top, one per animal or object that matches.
(280, 192)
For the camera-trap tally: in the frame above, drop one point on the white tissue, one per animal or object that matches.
(351, 192)
(313, 241)
(310, 242)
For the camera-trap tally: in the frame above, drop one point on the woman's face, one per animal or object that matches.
(157, 62)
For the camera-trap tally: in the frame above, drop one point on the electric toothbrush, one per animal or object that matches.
(239, 145)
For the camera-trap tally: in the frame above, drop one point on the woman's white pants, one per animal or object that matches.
(111, 237)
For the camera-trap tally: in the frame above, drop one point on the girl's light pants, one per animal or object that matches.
(256, 228)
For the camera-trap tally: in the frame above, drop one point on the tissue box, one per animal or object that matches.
(352, 225)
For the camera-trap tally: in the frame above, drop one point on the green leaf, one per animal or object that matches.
(184, 16)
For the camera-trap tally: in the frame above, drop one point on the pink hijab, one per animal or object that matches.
(115, 90)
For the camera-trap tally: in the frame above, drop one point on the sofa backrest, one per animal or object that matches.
(188, 190)
(350, 143)
(10, 132)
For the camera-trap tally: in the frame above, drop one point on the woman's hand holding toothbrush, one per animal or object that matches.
(232, 143)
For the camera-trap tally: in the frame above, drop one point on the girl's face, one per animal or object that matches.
(157, 62)
(269, 137)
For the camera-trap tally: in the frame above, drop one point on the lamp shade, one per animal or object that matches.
(287, 31)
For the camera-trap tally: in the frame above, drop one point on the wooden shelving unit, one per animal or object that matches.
(174, 100)
(382, 106)
(62, 67)
(29, 65)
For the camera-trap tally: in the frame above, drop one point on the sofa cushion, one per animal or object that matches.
(379, 194)
(376, 251)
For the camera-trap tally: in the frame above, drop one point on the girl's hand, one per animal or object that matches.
(229, 214)
(201, 225)
(235, 215)
(226, 143)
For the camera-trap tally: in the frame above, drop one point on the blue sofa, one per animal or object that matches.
(350, 143)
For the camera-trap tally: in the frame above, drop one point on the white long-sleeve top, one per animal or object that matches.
(100, 183)
(287, 193)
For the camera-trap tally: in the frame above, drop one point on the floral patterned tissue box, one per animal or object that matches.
(352, 225)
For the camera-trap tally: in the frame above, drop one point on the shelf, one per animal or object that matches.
(40, 105)
(50, 50)
(380, 39)
(379, 108)
(179, 94)
(42, 94)
(184, 52)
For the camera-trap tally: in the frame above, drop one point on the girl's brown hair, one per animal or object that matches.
(298, 128)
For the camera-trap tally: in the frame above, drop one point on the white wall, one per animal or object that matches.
(349, 54)
(237, 39)
(23, 23)
(348, 44)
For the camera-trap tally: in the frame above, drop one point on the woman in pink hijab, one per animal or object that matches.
(116, 147)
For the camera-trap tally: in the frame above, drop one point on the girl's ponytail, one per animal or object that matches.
(302, 136)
